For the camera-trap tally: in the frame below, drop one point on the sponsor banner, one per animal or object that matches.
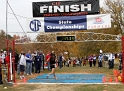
(35, 25)
(69, 23)
(98, 21)
(65, 8)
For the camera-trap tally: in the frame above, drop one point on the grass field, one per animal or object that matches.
(69, 87)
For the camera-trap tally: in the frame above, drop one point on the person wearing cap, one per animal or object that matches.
(100, 59)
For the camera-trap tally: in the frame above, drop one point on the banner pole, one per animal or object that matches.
(122, 59)
(13, 59)
(11, 66)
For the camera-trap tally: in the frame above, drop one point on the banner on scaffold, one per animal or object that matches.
(69, 23)
(65, 8)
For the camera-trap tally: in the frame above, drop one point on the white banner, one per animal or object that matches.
(98, 21)
(35, 25)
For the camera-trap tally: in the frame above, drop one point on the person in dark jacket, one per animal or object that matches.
(16, 60)
(38, 62)
(90, 59)
(60, 60)
(42, 60)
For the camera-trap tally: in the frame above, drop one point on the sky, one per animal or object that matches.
(23, 10)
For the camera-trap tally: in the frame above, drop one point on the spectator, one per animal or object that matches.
(106, 60)
(100, 59)
(110, 61)
(120, 60)
(33, 61)
(84, 60)
(90, 59)
(16, 60)
(68, 62)
(18, 68)
(60, 60)
(22, 65)
(80, 62)
(48, 60)
(94, 60)
(113, 58)
(29, 63)
(38, 62)
(3, 56)
(74, 62)
(42, 59)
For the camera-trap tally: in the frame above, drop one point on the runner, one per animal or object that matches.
(52, 64)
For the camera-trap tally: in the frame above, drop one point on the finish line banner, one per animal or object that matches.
(68, 23)
(65, 8)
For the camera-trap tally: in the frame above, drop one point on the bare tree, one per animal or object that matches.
(116, 9)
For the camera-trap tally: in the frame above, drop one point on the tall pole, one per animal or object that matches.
(123, 50)
(7, 49)
(123, 59)
(6, 17)
(7, 41)
(13, 57)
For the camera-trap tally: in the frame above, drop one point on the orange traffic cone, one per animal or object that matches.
(116, 79)
(24, 80)
(104, 79)
(115, 72)
(104, 90)
(110, 79)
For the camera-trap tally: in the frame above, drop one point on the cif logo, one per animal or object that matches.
(35, 25)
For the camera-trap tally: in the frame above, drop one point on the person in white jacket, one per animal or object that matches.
(3, 55)
(110, 61)
(22, 65)
(113, 58)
